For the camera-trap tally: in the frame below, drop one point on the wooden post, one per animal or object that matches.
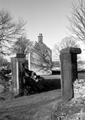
(17, 76)
(29, 63)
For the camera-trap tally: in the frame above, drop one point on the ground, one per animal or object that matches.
(45, 106)
(32, 107)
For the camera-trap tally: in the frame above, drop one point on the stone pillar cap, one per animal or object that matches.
(20, 55)
(70, 50)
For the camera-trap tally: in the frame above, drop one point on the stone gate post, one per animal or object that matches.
(68, 58)
(17, 72)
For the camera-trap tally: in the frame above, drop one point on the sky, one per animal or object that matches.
(48, 17)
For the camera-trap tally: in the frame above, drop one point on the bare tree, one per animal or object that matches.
(22, 45)
(66, 42)
(77, 20)
(9, 30)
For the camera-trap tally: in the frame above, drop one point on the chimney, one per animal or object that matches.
(40, 38)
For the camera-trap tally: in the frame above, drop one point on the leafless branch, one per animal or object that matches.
(9, 30)
(77, 20)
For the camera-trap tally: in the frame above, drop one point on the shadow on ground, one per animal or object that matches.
(52, 84)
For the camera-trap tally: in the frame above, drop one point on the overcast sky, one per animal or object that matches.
(48, 17)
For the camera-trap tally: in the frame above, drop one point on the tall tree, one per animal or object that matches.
(22, 45)
(66, 42)
(77, 20)
(9, 30)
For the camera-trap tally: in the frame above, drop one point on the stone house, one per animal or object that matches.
(42, 54)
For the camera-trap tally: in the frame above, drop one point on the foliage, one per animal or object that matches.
(22, 45)
(56, 63)
(66, 42)
(3, 61)
(77, 20)
(5, 78)
(9, 30)
(81, 64)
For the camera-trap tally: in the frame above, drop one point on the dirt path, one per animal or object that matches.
(25, 108)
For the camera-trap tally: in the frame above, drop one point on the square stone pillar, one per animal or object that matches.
(68, 58)
(17, 76)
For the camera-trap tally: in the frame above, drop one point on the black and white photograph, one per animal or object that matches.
(42, 60)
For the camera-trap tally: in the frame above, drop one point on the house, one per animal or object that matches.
(42, 54)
